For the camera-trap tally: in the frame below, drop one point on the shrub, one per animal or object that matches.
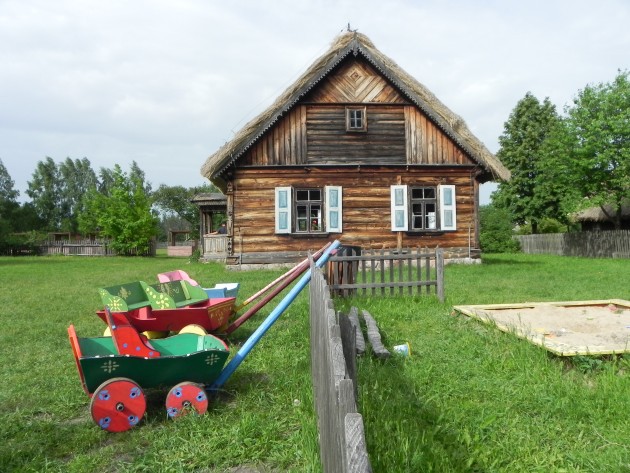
(496, 234)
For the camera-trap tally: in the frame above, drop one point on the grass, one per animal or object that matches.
(468, 399)
(474, 399)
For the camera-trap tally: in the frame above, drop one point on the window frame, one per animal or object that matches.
(329, 215)
(402, 208)
(424, 215)
(350, 119)
(313, 222)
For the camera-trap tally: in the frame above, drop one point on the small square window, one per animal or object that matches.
(356, 119)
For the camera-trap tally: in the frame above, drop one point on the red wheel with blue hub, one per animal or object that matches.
(185, 398)
(118, 405)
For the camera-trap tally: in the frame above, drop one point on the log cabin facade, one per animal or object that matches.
(355, 150)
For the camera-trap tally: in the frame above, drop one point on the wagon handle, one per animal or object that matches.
(255, 337)
(289, 273)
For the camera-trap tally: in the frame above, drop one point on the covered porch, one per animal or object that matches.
(212, 212)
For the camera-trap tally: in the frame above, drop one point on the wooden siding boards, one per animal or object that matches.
(314, 132)
(328, 142)
(366, 211)
(355, 81)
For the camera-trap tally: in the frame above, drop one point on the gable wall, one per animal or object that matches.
(314, 131)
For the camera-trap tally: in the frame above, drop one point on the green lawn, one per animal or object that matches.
(470, 398)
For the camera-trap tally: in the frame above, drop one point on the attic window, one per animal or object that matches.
(356, 119)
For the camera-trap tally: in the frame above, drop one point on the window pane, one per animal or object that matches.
(315, 194)
(282, 199)
(429, 192)
(334, 198)
(448, 196)
(398, 197)
(301, 211)
(301, 195)
(416, 193)
(448, 218)
(334, 219)
(399, 218)
(283, 223)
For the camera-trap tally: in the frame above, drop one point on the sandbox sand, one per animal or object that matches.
(564, 328)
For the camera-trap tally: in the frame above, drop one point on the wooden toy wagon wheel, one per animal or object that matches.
(118, 405)
(186, 397)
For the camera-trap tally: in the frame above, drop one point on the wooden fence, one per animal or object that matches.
(84, 248)
(602, 244)
(352, 269)
(333, 368)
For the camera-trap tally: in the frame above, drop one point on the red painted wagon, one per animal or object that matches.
(114, 370)
(167, 307)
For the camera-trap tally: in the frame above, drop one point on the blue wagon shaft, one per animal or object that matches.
(253, 340)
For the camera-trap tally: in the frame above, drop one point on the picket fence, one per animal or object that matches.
(86, 248)
(333, 368)
(600, 244)
(386, 271)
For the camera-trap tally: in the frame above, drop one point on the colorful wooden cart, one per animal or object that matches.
(114, 370)
(167, 307)
(219, 290)
(212, 315)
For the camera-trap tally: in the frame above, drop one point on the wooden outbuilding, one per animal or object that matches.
(357, 150)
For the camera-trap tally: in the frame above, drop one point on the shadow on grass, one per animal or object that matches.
(503, 260)
(404, 431)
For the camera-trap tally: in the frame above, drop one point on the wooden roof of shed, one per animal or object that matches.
(597, 214)
(356, 44)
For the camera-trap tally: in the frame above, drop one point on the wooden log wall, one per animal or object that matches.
(427, 144)
(284, 143)
(366, 207)
(328, 142)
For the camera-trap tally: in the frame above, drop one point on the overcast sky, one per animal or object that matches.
(166, 83)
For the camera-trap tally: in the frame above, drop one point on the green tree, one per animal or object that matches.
(77, 178)
(529, 195)
(45, 193)
(176, 201)
(599, 164)
(8, 202)
(124, 215)
(495, 230)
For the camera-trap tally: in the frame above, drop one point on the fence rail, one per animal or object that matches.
(353, 270)
(601, 244)
(85, 248)
(341, 433)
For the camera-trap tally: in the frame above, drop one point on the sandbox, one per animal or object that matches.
(597, 327)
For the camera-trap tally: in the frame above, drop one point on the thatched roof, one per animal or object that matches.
(597, 214)
(356, 44)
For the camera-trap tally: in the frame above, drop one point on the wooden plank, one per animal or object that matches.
(374, 336)
(357, 460)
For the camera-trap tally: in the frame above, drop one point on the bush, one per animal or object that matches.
(496, 234)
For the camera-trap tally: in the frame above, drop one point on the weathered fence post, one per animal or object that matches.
(439, 273)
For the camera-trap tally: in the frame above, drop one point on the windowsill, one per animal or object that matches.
(426, 232)
(306, 235)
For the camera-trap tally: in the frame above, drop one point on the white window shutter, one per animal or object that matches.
(400, 212)
(333, 209)
(448, 213)
(283, 209)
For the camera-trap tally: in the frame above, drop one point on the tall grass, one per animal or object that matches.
(470, 398)
(474, 399)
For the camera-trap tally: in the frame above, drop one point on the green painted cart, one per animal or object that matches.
(114, 370)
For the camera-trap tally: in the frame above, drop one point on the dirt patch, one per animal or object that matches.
(564, 328)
